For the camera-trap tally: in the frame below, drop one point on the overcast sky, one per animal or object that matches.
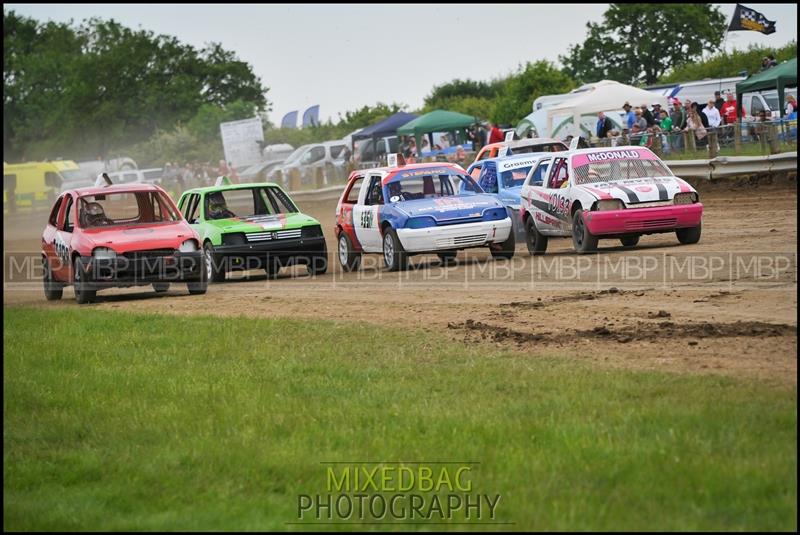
(345, 56)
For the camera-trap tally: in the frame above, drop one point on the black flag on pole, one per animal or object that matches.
(745, 18)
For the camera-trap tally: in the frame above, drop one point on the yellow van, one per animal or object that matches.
(33, 184)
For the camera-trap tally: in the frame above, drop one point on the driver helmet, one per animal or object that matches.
(216, 205)
(94, 213)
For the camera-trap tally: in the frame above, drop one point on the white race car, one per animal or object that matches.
(618, 193)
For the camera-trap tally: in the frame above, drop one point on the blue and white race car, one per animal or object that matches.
(503, 176)
(412, 209)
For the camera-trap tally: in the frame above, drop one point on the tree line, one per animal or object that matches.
(99, 87)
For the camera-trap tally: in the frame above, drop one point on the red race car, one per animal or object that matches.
(119, 236)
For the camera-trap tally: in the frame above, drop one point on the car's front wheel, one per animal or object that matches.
(53, 291)
(318, 263)
(583, 240)
(394, 256)
(447, 257)
(688, 236)
(84, 293)
(215, 271)
(629, 241)
(536, 241)
(348, 257)
(505, 249)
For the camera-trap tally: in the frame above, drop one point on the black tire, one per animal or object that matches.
(395, 257)
(447, 257)
(583, 240)
(629, 241)
(84, 293)
(688, 236)
(348, 258)
(214, 271)
(506, 249)
(535, 240)
(272, 267)
(160, 287)
(318, 263)
(53, 291)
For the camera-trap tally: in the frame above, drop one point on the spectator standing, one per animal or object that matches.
(700, 115)
(657, 114)
(630, 117)
(791, 106)
(729, 110)
(666, 128)
(603, 125)
(640, 121)
(712, 114)
(648, 116)
(718, 100)
(678, 115)
(233, 175)
(495, 134)
(695, 126)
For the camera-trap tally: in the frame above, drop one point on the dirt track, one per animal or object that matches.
(727, 305)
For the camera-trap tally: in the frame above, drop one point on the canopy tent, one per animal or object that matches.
(436, 121)
(603, 96)
(387, 127)
(778, 77)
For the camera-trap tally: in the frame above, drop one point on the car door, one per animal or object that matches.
(550, 202)
(366, 214)
(62, 241)
(344, 216)
(49, 235)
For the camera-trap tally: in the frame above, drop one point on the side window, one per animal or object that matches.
(488, 180)
(537, 177)
(193, 209)
(476, 172)
(375, 192)
(355, 188)
(279, 201)
(316, 154)
(9, 182)
(66, 224)
(53, 220)
(558, 175)
(336, 150)
(52, 180)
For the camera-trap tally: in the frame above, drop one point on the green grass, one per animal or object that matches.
(120, 421)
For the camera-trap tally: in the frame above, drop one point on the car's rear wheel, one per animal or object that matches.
(53, 291)
(505, 249)
(160, 287)
(629, 241)
(215, 271)
(535, 240)
(583, 240)
(348, 257)
(688, 236)
(394, 256)
(84, 292)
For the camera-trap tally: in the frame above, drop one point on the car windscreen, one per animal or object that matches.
(247, 202)
(605, 171)
(125, 208)
(542, 147)
(514, 177)
(429, 186)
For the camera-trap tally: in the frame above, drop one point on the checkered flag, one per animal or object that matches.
(748, 19)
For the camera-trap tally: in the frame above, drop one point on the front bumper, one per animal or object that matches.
(643, 220)
(449, 237)
(284, 250)
(144, 269)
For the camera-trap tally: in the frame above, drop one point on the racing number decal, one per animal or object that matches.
(62, 249)
(367, 219)
(558, 205)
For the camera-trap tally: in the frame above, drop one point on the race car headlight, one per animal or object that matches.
(494, 214)
(104, 253)
(610, 204)
(189, 246)
(688, 197)
(421, 222)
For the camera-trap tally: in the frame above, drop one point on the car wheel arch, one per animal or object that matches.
(576, 205)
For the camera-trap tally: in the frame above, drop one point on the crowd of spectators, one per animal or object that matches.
(196, 174)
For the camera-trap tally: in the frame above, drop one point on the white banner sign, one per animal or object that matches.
(240, 141)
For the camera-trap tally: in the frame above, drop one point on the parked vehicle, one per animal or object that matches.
(375, 150)
(88, 170)
(252, 226)
(621, 193)
(117, 236)
(33, 184)
(412, 209)
(317, 163)
(520, 146)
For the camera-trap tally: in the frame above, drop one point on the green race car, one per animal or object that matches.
(249, 226)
